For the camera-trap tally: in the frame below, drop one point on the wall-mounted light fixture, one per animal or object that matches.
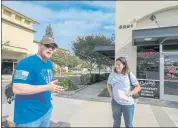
(153, 18)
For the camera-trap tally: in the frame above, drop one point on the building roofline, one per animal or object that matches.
(35, 41)
(175, 6)
(17, 25)
(17, 13)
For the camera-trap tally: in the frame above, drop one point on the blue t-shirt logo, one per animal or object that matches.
(47, 75)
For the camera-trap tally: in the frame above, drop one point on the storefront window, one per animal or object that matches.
(171, 74)
(148, 70)
(148, 62)
(7, 68)
(8, 65)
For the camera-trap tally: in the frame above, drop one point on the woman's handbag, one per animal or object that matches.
(135, 95)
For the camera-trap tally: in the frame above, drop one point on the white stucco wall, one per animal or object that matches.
(17, 36)
(164, 18)
(20, 35)
(33, 49)
(126, 11)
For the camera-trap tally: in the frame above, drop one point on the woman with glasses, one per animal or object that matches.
(119, 88)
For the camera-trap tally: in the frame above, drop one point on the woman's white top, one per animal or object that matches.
(121, 86)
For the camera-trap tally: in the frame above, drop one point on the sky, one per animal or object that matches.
(68, 19)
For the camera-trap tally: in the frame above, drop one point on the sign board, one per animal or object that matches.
(149, 88)
(125, 52)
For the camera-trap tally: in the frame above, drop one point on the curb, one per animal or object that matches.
(85, 86)
(69, 93)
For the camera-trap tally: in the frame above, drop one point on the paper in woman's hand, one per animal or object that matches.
(122, 95)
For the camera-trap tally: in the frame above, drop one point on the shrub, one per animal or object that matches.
(85, 79)
(66, 73)
(107, 75)
(102, 77)
(96, 78)
(92, 78)
(67, 84)
(104, 93)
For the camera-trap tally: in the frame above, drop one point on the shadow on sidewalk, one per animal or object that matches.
(58, 124)
(91, 93)
(6, 123)
(157, 102)
(141, 100)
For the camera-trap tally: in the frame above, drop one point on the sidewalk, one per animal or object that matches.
(85, 109)
(88, 110)
(99, 114)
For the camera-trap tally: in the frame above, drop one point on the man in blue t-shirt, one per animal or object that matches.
(33, 83)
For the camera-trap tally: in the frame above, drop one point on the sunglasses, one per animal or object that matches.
(49, 46)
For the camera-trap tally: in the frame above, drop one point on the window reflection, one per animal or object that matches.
(148, 62)
(171, 74)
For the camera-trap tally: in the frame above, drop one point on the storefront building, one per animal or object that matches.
(17, 29)
(147, 35)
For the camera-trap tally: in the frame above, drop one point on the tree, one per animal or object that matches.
(100, 59)
(83, 64)
(73, 61)
(108, 63)
(113, 38)
(103, 62)
(49, 31)
(60, 57)
(84, 48)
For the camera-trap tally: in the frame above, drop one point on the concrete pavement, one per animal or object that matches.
(99, 114)
(86, 109)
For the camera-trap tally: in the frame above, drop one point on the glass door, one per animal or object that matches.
(169, 77)
(148, 71)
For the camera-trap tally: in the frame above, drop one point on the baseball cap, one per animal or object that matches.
(48, 40)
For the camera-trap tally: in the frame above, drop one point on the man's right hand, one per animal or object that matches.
(53, 87)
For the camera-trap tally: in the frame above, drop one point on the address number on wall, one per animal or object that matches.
(125, 26)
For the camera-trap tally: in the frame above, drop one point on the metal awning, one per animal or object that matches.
(107, 50)
(155, 36)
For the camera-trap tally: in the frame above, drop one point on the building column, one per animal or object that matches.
(13, 67)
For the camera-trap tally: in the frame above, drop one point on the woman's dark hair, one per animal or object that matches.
(125, 70)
